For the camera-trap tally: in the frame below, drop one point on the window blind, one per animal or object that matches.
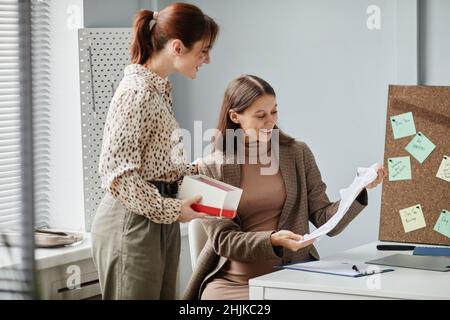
(10, 165)
(24, 139)
(40, 63)
(10, 174)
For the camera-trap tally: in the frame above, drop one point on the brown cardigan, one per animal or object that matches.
(306, 201)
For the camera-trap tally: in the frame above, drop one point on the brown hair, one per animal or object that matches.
(181, 21)
(239, 95)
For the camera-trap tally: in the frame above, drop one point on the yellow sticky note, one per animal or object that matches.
(444, 169)
(412, 218)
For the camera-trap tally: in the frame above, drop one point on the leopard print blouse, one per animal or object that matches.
(141, 143)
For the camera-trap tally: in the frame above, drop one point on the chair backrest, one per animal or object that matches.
(197, 239)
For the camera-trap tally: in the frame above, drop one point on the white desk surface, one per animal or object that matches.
(403, 283)
(50, 257)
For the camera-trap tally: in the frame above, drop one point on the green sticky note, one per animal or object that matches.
(443, 223)
(412, 218)
(420, 147)
(403, 125)
(399, 168)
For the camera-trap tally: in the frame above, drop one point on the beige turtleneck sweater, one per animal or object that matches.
(260, 207)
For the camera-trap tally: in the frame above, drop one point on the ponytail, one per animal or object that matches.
(141, 45)
(182, 21)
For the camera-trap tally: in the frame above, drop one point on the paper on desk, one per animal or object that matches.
(336, 268)
(348, 195)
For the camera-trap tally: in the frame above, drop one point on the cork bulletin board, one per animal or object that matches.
(415, 203)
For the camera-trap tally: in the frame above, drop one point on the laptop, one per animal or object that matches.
(415, 262)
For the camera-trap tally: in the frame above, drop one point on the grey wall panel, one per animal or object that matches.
(103, 56)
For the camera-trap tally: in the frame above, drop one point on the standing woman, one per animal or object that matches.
(135, 233)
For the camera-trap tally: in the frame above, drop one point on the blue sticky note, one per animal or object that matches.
(420, 147)
(443, 223)
(399, 168)
(403, 125)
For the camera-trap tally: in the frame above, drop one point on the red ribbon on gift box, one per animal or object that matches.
(214, 211)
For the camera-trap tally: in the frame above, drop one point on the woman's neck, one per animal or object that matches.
(255, 150)
(256, 143)
(160, 64)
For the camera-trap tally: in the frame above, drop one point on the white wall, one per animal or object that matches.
(331, 75)
(434, 46)
(114, 13)
(66, 175)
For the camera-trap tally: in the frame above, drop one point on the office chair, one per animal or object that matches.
(197, 239)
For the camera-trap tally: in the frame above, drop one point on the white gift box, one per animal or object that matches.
(218, 198)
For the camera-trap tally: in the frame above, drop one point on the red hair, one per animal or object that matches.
(181, 21)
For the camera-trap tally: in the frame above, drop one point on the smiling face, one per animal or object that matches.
(189, 61)
(259, 118)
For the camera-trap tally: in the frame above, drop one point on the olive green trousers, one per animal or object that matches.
(135, 257)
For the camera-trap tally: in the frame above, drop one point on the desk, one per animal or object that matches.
(403, 283)
(55, 265)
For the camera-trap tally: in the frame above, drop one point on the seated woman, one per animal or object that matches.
(276, 204)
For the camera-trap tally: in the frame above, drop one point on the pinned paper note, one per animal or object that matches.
(403, 125)
(444, 169)
(420, 147)
(412, 218)
(443, 223)
(399, 168)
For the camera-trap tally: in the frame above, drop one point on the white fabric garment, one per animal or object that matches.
(364, 177)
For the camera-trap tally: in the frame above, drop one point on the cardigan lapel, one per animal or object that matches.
(231, 174)
(231, 170)
(289, 174)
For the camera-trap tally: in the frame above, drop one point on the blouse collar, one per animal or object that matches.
(162, 85)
